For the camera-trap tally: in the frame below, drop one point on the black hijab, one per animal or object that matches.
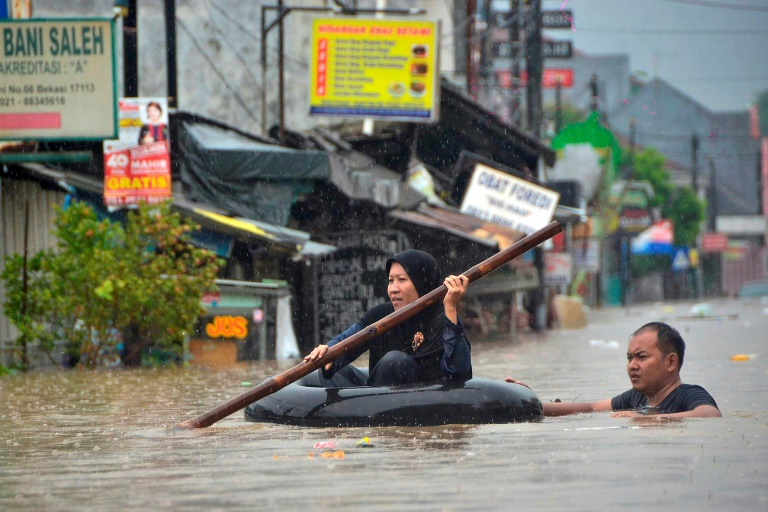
(424, 272)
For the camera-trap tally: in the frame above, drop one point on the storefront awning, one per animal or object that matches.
(461, 225)
(241, 173)
(218, 231)
(291, 240)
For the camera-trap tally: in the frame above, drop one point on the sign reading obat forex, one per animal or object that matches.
(57, 79)
(375, 69)
(508, 201)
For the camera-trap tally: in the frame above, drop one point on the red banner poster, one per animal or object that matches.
(137, 167)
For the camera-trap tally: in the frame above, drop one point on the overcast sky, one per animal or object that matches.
(716, 51)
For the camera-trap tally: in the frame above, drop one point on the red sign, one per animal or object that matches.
(211, 298)
(549, 78)
(764, 153)
(137, 166)
(141, 173)
(714, 242)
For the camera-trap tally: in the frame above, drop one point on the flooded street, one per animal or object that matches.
(73, 441)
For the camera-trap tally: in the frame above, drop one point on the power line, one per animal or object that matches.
(671, 31)
(721, 5)
(218, 73)
(256, 37)
(217, 30)
(654, 135)
(717, 79)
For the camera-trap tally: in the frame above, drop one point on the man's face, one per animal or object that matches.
(649, 370)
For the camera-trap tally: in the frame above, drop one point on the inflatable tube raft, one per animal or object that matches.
(475, 401)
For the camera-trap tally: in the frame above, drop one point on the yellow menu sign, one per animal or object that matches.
(375, 69)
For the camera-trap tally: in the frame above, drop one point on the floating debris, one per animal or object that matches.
(365, 443)
(339, 454)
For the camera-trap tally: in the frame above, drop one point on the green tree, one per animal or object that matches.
(570, 113)
(169, 276)
(680, 205)
(650, 165)
(686, 211)
(103, 278)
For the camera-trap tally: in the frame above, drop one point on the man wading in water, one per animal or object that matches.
(654, 358)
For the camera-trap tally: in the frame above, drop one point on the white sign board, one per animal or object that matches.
(57, 79)
(508, 201)
(558, 268)
(585, 255)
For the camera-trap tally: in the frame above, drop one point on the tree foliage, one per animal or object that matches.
(686, 211)
(679, 204)
(104, 279)
(569, 114)
(649, 165)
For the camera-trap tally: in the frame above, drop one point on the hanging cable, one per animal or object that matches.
(218, 73)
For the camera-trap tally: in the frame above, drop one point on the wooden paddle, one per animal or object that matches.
(277, 382)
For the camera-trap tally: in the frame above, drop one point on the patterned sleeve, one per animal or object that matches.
(457, 361)
(348, 357)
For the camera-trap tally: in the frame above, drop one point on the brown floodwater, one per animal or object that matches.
(105, 440)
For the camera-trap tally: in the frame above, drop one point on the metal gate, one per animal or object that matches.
(749, 264)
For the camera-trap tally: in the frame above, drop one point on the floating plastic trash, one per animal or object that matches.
(604, 344)
(701, 309)
(339, 454)
(326, 444)
(365, 443)
(245, 384)
(743, 357)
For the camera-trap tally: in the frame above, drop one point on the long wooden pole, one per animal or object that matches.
(277, 382)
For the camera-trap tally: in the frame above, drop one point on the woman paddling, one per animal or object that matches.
(431, 346)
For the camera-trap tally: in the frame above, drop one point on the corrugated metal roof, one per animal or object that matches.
(461, 225)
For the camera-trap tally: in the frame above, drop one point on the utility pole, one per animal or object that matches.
(717, 278)
(593, 88)
(695, 162)
(131, 51)
(626, 252)
(470, 44)
(486, 57)
(170, 53)
(713, 192)
(533, 64)
(631, 175)
(695, 171)
(281, 70)
(514, 41)
(558, 106)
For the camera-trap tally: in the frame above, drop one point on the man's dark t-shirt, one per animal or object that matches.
(685, 397)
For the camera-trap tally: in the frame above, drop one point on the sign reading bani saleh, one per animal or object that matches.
(375, 69)
(57, 79)
(508, 201)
